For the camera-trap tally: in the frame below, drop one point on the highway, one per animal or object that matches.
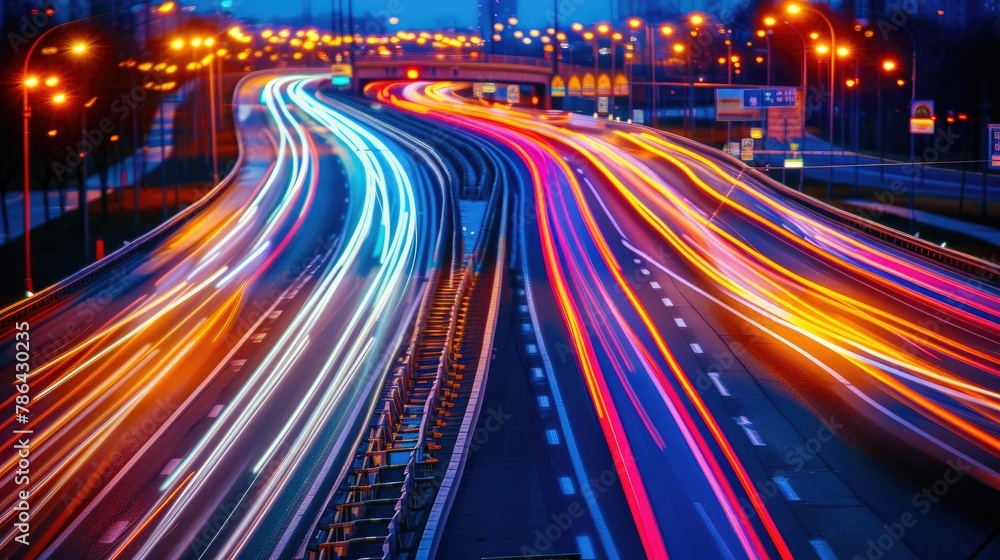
(195, 402)
(717, 326)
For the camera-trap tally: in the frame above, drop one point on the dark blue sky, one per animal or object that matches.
(411, 13)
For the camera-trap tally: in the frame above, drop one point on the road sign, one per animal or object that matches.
(513, 94)
(746, 149)
(756, 132)
(922, 117)
(994, 142)
(729, 106)
(771, 97)
(558, 86)
(793, 162)
(733, 149)
(489, 87)
(340, 74)
(602, 104)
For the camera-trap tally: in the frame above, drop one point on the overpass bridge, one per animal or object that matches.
(571, 81)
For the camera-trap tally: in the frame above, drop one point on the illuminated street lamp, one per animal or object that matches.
(795, 9)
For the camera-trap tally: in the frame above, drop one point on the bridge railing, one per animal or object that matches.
(473, 57)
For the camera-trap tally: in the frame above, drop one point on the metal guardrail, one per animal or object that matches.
(979, 268)
(402, 516)
(430, 539)
(124, 254)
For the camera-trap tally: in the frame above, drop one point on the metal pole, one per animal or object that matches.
(28, 284)
(556, 52)
(163, 163)
(654, 93)
(729, 81)
(612, 103)
(211, 113)
(84, 206)
(596, 70)
(136, 164)
(767, 35)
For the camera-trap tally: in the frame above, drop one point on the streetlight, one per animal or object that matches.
(794, 9)
(650, 47)
(887, 66)
(679, 48)
(28, 83)
(208, 42)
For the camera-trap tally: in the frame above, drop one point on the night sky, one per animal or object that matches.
(412, 13)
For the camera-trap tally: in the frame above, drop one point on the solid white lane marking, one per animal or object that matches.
(655, 285)
(697, 348)
(214, 413)
(566, 485)
(786, 488)
(747, 426)
(171, 465)
(552, 436)
(823, 549)
(714, 376)
(667, 302)
(679, 322)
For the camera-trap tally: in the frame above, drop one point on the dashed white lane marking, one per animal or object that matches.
(645, 271)
(726, 553)
(637, 261)
(237, 365)
(586, 547)
(216, 410)
(114, 532)
(522, 308)
(552, 436)
(747, 426)
(823, 549)
(697, 348)
(667, 302)
(680, 322)
(543, 401)
(580, 171)
(526, 327)
(537, 374)
(274, 315)
(655, 285)
(257, 337)
(786, 488)
(714, 376)
(566, 485)
(171, 465)
(532, 349)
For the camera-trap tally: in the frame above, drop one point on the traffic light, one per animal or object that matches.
(412, 73)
